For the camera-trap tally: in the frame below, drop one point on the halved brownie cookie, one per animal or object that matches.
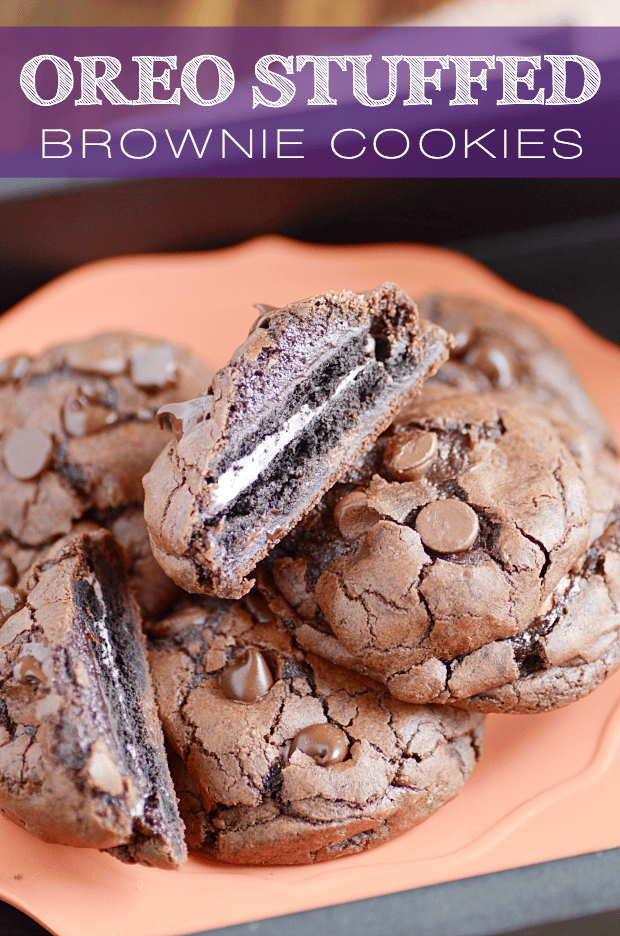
(309, 391)
(82, 760)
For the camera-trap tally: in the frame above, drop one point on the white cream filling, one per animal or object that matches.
(246, 470)
(107, 652)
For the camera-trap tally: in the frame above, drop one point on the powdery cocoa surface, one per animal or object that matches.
(247, 802)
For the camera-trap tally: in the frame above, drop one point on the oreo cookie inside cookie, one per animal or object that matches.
(83, 759)
(307, 393)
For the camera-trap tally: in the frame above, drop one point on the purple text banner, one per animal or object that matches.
(305, 102)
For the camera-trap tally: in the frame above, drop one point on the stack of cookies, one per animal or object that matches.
(370, 529)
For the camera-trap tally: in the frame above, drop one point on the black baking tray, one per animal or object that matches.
(561, 242)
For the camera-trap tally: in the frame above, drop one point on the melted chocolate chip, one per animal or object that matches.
(461, 330)
(326, 744)
(494, 361)
(27, 452)
(182, 417)
(8, 572)
(353, 516)
(102, 354)
(82, 417)
(154, 369)
(247, 678)
(263, 319)
(28, 668)
(447, 526)
(408, 456)
(258, 607)
(10, 602)
(463, 337)
(14, 368)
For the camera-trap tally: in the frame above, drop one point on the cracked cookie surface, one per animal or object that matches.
(82, 759)
(78, 428)
(310, 389)
(502, 350)
(495, 349)
(249, 793)
(458, 552)
(567, 651)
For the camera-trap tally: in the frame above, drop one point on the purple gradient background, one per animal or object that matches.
(21, 121)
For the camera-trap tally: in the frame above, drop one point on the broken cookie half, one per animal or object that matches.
(313, 386)
(82, 760)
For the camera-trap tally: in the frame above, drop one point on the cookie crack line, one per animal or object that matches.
(547, 560)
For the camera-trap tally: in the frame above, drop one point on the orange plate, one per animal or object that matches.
(547, 786)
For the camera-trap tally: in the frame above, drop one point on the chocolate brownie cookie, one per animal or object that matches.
(503, 351)
(78, 428)
(309, 391)
(450, 534)
(82, 760)
(151, 587)
(572, 645)
(292, 759)
(508, 351)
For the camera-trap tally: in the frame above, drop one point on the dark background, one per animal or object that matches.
(556, 238)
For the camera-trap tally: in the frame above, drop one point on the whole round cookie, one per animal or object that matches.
(294, 760)
(449, 536)
(78, 428)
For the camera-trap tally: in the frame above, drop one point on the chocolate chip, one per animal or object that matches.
(325, 743)
(14, 368)
(28, 668)
(154, 369)
(353, 516)
(447, 526)
(246, 679)
(102, 354)
(10, 602)
(263, 319)
(27, 452)
(81, 417)
(408, 455)
(494, 360)
(8, 572)
(462, 331)
(183, 417)
(258, 607)
(179, 417)
(463, 337)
